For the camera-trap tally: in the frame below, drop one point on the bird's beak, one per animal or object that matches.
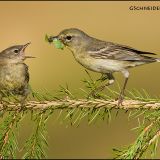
(29, 57)
(52, 38)
(25, 46)
(23, 49)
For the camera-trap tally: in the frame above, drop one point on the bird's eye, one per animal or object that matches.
(69, 38)
(16, 51)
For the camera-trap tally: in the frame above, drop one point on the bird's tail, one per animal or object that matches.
(158, 59)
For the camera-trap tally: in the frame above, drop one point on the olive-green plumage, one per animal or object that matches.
(14, 75)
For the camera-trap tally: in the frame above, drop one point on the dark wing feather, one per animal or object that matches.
(26, 73)
(120, 52)
(134, 50)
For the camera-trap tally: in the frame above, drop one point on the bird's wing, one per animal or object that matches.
(120, 52)
(26, 73)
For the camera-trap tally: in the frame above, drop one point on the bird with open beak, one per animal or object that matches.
(14, 75)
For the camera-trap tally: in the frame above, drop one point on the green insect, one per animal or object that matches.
(57, 43)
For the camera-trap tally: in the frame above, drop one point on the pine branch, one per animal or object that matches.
(83, 103)
(35, 146)
(148, 136)
(8, 142)
(149, 143)
(150, 139)
(73, 110)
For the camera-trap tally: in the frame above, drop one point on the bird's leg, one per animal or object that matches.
(110, 78)
(121, 96)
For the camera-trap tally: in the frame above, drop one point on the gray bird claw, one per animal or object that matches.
(120, 101)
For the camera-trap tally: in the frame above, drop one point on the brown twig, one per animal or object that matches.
(151, 141)
(6, 135)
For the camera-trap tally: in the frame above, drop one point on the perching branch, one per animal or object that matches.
(83, 103)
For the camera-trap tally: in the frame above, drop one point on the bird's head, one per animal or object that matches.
(14, 54)
(72, 38)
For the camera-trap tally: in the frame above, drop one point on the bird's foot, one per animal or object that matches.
(120, 100)
(22, 103)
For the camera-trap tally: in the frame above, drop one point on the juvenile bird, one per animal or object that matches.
(14, 75)
(101, 56)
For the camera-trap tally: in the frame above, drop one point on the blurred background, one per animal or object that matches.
(23, 22)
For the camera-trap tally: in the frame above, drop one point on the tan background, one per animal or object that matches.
(23, 22)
